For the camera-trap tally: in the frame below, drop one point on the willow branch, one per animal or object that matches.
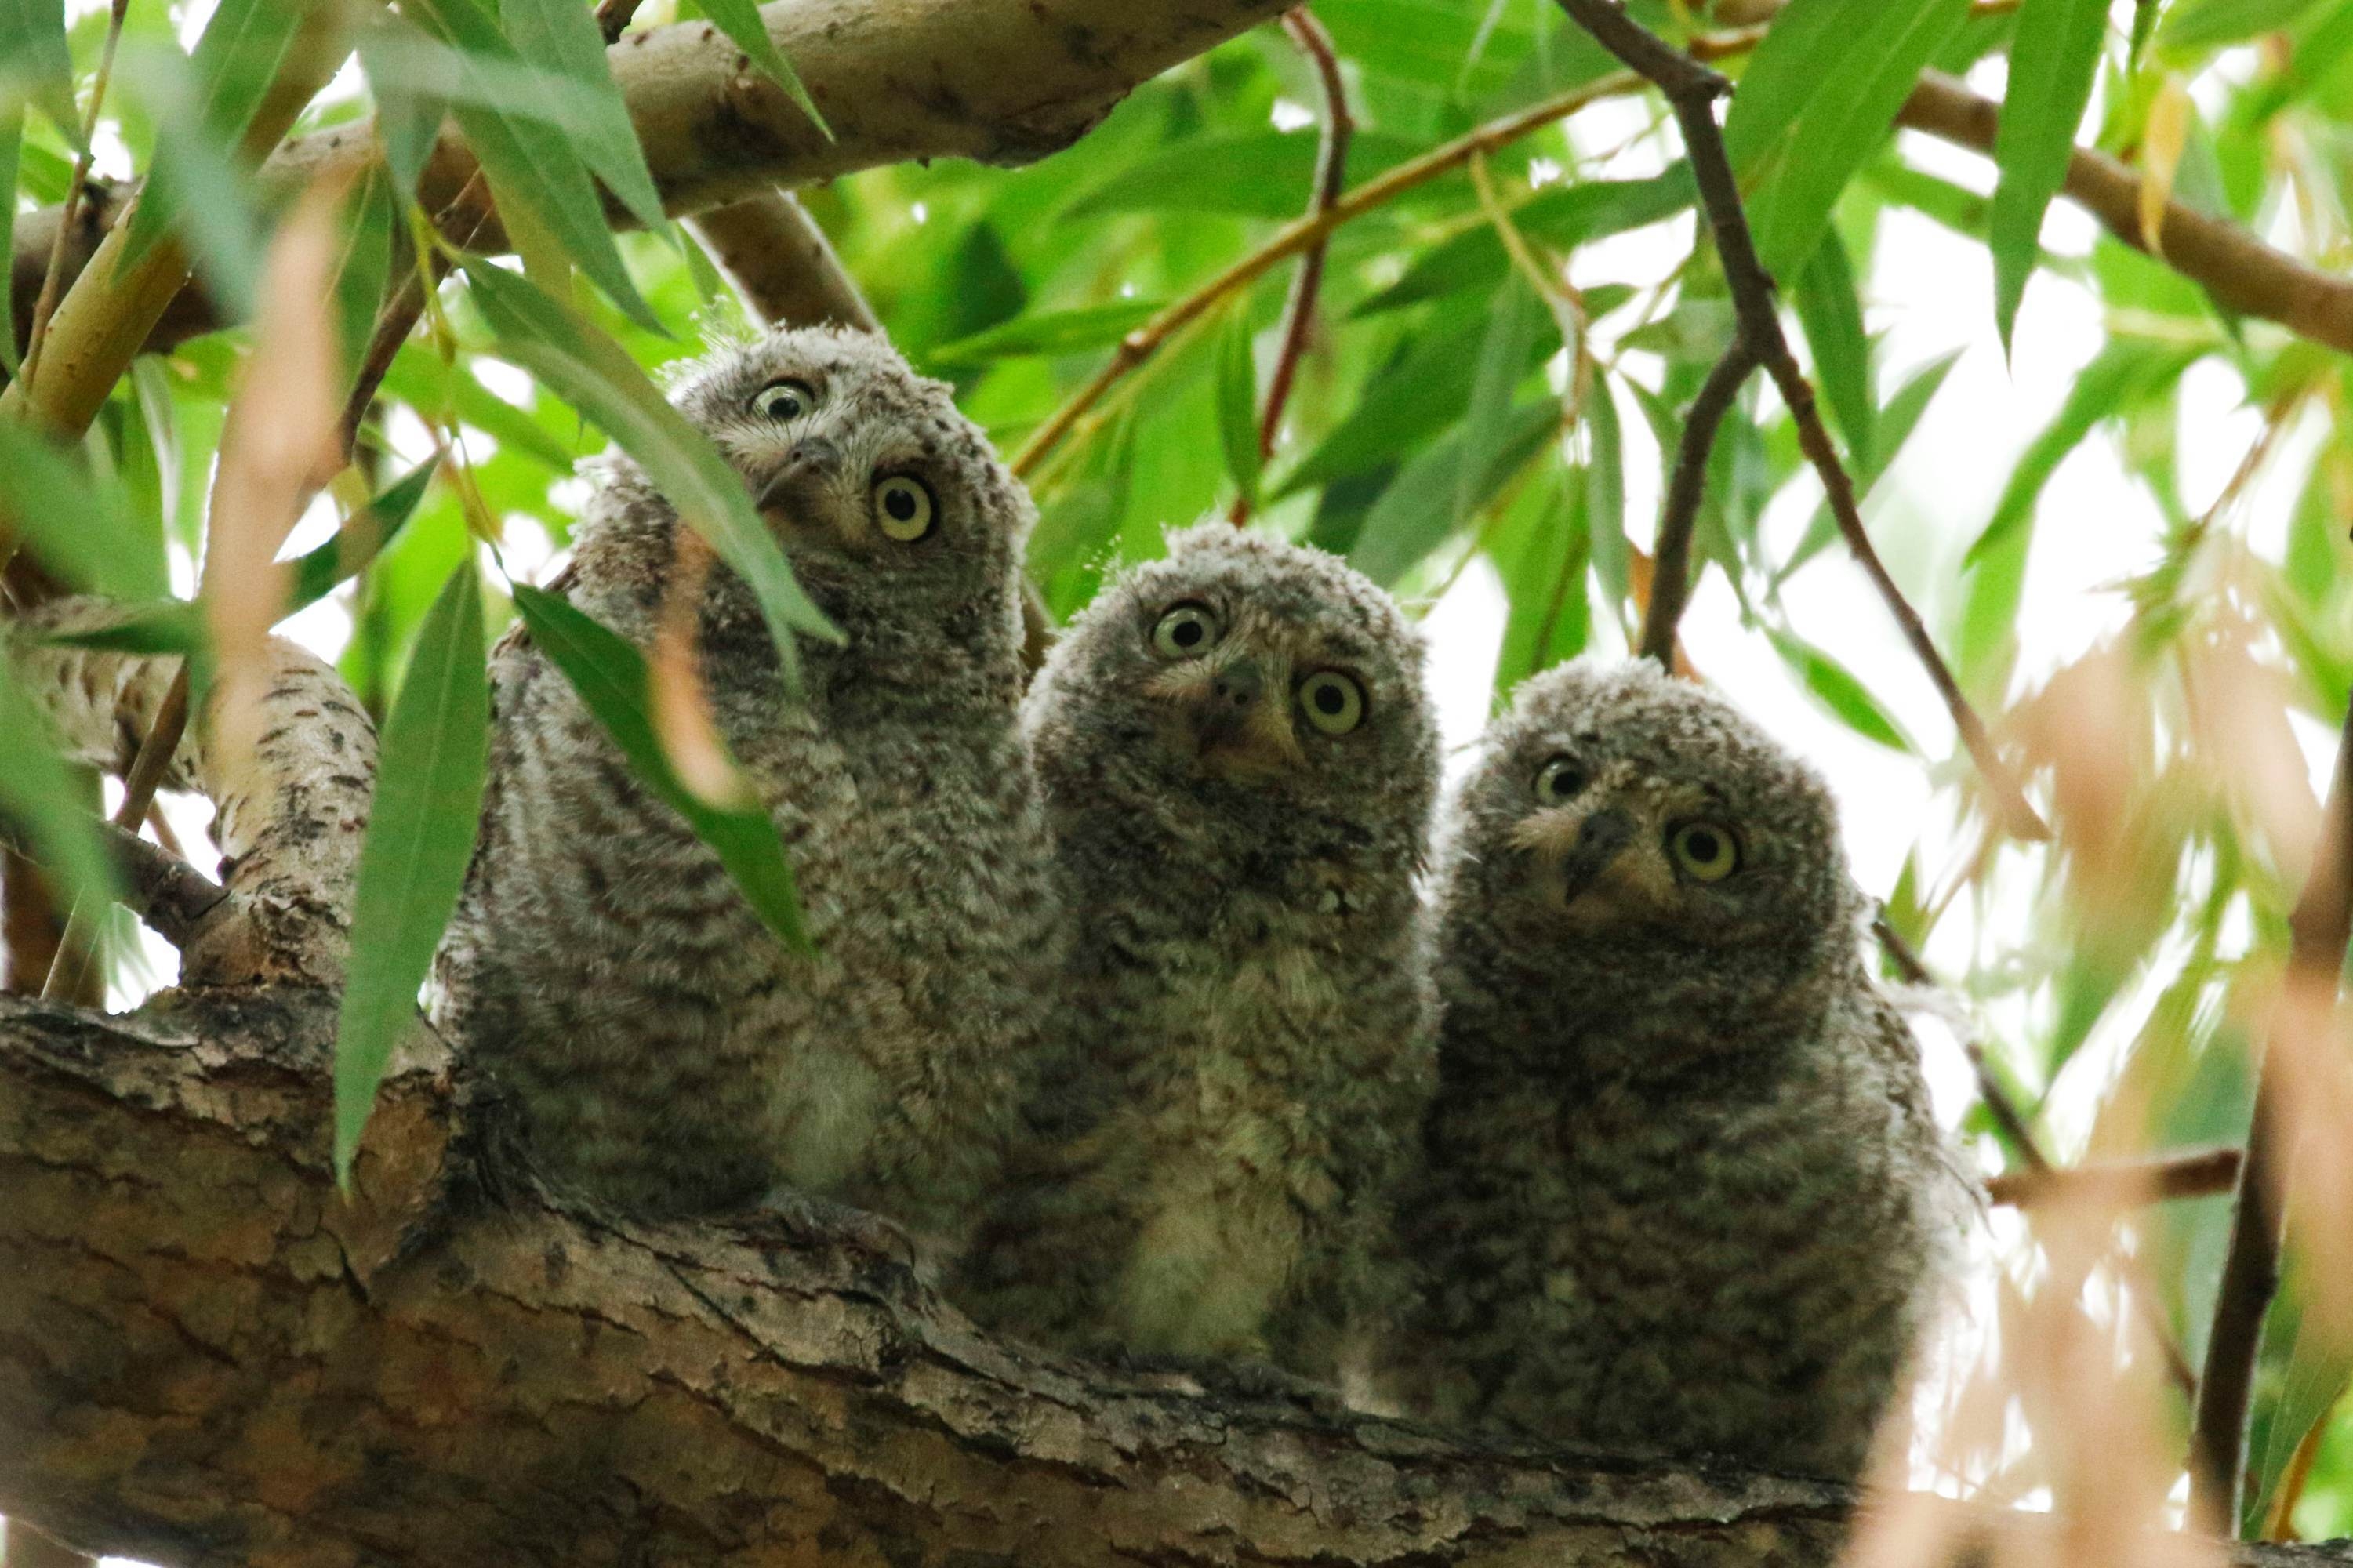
(780, 261)
(69, 969)
(2121, 1184)
(613, 18)
(1678, 514)
(1331, 182)
(75, 194)
(2319, 929)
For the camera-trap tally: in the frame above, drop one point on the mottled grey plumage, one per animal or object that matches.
(1681, 1189)
(657, 1049)
(1248, 1031)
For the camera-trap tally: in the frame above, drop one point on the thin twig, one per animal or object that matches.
(613, 18)
(1691, 89)
(1331, 182)
(1295, 237)
(139, 785)
(1679, 515)
(167, 894)
(52, 279)
(2189, 1173)
(2319, 930)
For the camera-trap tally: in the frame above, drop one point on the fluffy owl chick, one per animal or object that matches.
(1680, 1190)
(1240, 764)
(657, 1049)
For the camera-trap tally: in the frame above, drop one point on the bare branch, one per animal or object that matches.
(1671, 575)
(781, 262)
(2319, 930)
(1331, 180)
(613, 18)
(69, 969)
(2119, 1183)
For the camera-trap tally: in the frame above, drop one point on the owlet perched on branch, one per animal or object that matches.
(1682, 1191)
(658, 1049)
(1240, 764)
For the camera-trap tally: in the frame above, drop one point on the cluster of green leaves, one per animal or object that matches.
(1437, 424)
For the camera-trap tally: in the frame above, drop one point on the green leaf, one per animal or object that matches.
(589, 370)
(420, 378)
(1831, 313)
(420, 836)
(1815, 105)
(362, 268)
(78, 526)
(2124, 372)
(1835, 686)
(1258, 173)
(1047, 333)
(1605, 489)
(232, 69)
(611, 678)
(2051, 63)
(2193, 27)
(38, 789)
(12, 137)
(1894, 425)
(1540, 548)
(39, 64)
(408, 113)
(531, 167)
(1564, 217)
(1237, 400)
(740, 20)
(1426, 503)
(561, 36)
(1502, 354)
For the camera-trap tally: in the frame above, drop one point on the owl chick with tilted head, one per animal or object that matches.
(1239, 762)
(654, 1047)
(1681, 1192)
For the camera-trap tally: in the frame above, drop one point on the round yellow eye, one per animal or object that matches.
(1186, 630)
(1707, 851)
(1559, 781)
(903, 507)
(782, 400)
(1333, 703)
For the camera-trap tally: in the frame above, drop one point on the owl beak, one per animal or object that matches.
(806, 470)
(1242, 736)
(1600, 839)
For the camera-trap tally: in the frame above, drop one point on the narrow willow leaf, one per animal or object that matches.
(589, 370)
(1540, 549)
(2053, 61)
(1419, 511)
(230, 70)
(12, 137)
(611, 678)
(1237, 400)
(175, 625)
(78, 527)
(2125, 370)
(533, 169)
(1835, 686)
(1511, 328)
(1259, 173)
(2162, 140)
(2193, 27)
(435, 388)
(1894, 425)
(1605, 487)
(1840, 104)
(37, 790)
(362, 268)
(561, 36)
(1047, 333)
(39, 62)
(420, 834)
(408, 114)
(1831, 312)
(1565, 216)
(197, 186)
(740, 20)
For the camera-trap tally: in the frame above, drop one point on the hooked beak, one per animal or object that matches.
(810, 462)
(1600, 840)
(1225, 708)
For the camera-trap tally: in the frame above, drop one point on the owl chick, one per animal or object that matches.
(658, 1049)
(1680, 1190)
(1239, 764)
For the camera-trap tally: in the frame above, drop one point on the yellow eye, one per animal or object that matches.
(1186, 630)
(783, 400)
(1558, 782)
(903, 507)
(1707, 851)
(1333, 703)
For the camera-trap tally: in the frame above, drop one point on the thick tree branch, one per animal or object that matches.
(2320, 928)
(781, 262)
(211, 1357)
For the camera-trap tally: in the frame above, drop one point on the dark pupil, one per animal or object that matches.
(1330, 699)
(900, 503)
(1565, 783)
(785, 405)
(1702, 845)
(1186, 633)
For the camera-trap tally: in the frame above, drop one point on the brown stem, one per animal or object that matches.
(613, 18)
(781, 262)
(70, 971)
(1331, 180)
(2191, 1173)
(52, 278)
(2318, 932)
(1679, 515)
(461, 220)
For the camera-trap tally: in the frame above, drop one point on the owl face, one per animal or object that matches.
(1244, 675)
(1617, 810)
(883, 495)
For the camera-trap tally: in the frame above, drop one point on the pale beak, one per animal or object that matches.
(1600, 840)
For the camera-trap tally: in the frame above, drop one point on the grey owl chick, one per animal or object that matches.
(1681, 1191)
(1240, 764)
(658, 1049)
